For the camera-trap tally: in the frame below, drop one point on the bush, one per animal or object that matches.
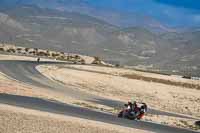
(19, 49)
(41, 53)
(1, 49)
(96, 58)
(48, 53)
(187, 77)
(55, 54)
(197, 123)
(68, 57)
(117, 65)
(11, 50)
(82, 61)
(36, 49)
(77, 57)
(96, 61)
(60, 58)
(26, 49)
(62, 53)
(32, 52)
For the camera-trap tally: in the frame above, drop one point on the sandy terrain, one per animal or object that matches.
(106, 82)
(20, 120)
(14, 87)
(121, 71)
(35, 121)
(156, 95)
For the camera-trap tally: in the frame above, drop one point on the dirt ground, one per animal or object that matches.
(123, 71)
(156, 95)
(13, 87)
(20, 120)
(15, 120)
(109, 83)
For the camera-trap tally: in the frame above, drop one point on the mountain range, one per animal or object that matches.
(74, 26)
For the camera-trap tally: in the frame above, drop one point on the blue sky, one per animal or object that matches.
(174, 13)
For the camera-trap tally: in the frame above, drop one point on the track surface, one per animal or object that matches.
(26, 72)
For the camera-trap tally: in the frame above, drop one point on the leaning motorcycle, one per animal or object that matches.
(135, 114)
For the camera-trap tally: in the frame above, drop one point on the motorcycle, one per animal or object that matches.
(136, 114)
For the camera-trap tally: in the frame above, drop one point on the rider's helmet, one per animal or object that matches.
(129, 102)
(135, 103)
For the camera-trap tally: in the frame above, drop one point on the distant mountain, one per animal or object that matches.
(9, 28)
(187, 48)
(32, 26)
(80, 33)
(115, 17)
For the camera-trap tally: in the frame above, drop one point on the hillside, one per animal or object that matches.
(115, 17)
(187, 48)
(31, 26)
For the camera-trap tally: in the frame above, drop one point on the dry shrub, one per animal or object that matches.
(96, 61)
(27, 49)
(19, 49)
(1, 49)
(82, 61)
(32, 52)
(60, 58)
(11, 50)
(48, 53)
(77, 57)
(41, 53)
(55, 54)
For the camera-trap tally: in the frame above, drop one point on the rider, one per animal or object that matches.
(135, 107)
(130, 106)
(38, 59)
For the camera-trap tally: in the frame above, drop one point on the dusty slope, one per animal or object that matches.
(15, 120)
(156, 95)
(121, 71)
(14, 87)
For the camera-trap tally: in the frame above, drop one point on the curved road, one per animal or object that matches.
(26, 72)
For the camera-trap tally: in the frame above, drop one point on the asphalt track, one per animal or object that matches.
(25, 71)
